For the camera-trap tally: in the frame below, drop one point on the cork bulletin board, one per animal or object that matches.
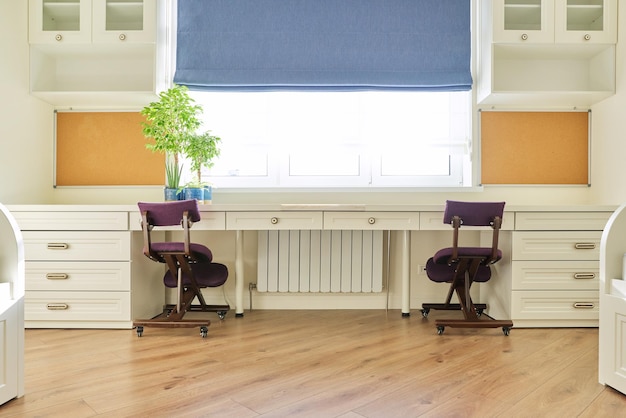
(104, 149)
(534, 147)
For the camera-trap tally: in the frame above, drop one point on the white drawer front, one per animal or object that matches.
(72, 221)
(77, 306)
(555, 275)
(72, 275)
(434, 221)
(208, 221)
(553, 305)
(573, 221)
(556, 245)
(273, 220)
(371, 220)
(77, 246)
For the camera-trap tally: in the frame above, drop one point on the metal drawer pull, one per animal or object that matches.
(583, 305)
(371, 221)
(57, 246)
(57, 276)
(585, 246)
(274, 220)
(584, 275)
(57, 306)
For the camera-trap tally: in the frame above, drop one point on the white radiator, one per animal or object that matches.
(320, 261)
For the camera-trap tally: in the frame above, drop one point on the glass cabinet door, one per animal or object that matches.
(523, 21)
(586, 21)
(127, 21)
(62, 21)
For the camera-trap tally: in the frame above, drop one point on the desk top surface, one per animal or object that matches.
(314, 207)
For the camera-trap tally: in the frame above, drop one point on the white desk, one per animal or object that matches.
(120, 222)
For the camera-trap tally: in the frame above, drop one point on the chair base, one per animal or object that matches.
(170, 318)
(506, 325)
(426, 307)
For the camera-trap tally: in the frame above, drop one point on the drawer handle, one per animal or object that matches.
(584, 275)
(371, 221)
(57, 246)
(584, 305)
(57, 276)
(585, 246)
(57, 306)
(274, 220)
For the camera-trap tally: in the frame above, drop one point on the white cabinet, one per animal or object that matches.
(79, 269)
(555, 268)
(560, 21)
(97, 52)
(546, 53)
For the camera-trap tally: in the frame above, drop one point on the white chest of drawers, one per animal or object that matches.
(555, 268)
(78, 271)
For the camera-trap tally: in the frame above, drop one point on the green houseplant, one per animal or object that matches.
(170, 122)
(200, 149)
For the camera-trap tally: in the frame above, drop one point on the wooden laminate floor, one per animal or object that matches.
(348, 364)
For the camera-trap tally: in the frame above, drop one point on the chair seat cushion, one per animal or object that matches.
(207, 275)
(443, 273)
(199, 252)
(442, 256)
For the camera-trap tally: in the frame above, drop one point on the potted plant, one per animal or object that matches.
(200, 149)
(170, 122)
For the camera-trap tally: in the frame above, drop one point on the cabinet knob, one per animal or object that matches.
(584, 275)
(122, 37)
(57, 246)
(585, 246)
(57, 306)
(371, 221)
(57, 276)
(524, 36)
(587, 37)
(58, 37)
(274, 220)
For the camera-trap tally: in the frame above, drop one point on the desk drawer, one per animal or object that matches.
(360, 221)
(72, 275)
(273, 220)
(208, 221)
(72, 221)
(555, 275)
(76, 306)
(77, 245)
(434, 221)
(555, 305)
(556, 245)
(555, 221)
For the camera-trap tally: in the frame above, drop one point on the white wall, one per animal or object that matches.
(26, 160)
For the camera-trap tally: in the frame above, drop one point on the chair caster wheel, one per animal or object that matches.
(479, 312)
(221, 314)
(440, 329)
(204, 331)
(139, 331)
(425, 313)
(506, 331)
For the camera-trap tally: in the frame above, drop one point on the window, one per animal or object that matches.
(339, 139)
(331, 93)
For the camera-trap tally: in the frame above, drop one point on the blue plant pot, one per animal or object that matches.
(172, 194)
(208, 195)
(194, 193)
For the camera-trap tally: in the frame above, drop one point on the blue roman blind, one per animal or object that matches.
(248, 45)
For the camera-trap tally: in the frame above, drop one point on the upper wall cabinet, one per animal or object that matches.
(546, 52)
(89, 53)
(560, 21)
